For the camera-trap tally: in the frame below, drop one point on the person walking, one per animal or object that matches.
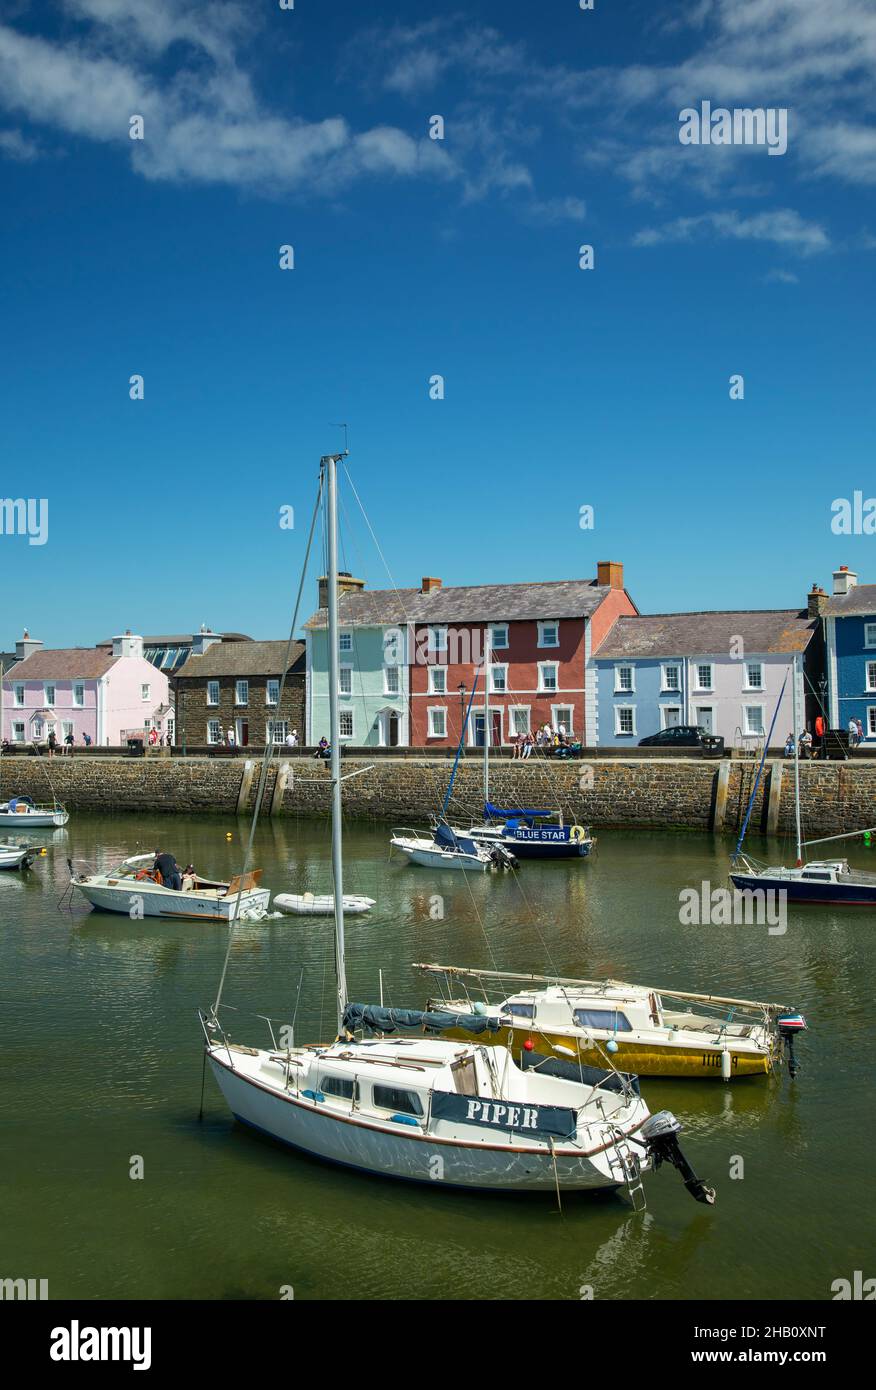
(68, 744)
(860, 730)
(853, 733)
(52, 742)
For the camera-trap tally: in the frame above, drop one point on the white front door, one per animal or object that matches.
(671, 716)
(705, 717)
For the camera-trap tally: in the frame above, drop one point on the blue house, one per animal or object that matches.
(850, 641)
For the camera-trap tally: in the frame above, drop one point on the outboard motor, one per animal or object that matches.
(502, 858)
(789, 1025)
(660, 1133)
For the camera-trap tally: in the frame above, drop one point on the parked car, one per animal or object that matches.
(686, 736)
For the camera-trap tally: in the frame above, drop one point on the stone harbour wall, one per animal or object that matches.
(693, 794)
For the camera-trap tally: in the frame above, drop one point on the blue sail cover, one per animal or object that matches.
(381, 1020)
(490, 811)
(448, 839)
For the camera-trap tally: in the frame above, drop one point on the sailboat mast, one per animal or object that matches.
(329, 465)
(797, 771)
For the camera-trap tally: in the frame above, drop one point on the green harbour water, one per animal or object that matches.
(102, 1062)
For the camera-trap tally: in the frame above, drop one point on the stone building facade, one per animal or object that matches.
(230, 692)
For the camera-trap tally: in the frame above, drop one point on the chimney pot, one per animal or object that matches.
(429, 584)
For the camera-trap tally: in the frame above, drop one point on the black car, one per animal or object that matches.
(685, 736)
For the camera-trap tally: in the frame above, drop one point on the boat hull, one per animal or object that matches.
(15, 858)
(643, 1058)
(535, 844)
(34, 820)
(139, 902)
(803, 891)
(375, 1150)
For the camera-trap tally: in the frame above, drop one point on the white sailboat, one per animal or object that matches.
(446, 848)
(454, 1114)
(20, 812)
(828, 882)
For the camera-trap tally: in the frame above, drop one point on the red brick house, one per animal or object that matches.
(542, 639)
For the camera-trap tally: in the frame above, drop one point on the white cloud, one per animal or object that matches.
(784, 227)
(14, 145)
(203, 125)
(781, 277)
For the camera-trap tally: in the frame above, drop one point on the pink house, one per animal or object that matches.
(107, 694)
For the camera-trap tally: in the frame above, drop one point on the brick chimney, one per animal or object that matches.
(610, 574)
(26, 646)
(346, 585)
(429, 585)
(844, 580)
(817, 601)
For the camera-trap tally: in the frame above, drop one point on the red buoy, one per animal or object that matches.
(528, 1045)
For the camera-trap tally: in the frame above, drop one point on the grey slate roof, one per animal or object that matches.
(184, 639)
(564, 598)
(242, 659)
(858, 602)
(708, 634)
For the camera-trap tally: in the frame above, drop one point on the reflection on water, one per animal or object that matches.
(102, 1046)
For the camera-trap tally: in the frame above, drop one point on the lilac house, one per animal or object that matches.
(109, 694)
(724, 671)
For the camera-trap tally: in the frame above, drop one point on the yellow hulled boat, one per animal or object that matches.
(610, 1023)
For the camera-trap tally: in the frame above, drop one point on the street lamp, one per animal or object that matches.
(461, 689)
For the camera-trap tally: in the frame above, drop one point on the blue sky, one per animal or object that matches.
(415, 257)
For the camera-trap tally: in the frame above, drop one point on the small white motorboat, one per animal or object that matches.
(320, 904)
(16, 856)
(132, 889)
(21, 812)
(448, 849)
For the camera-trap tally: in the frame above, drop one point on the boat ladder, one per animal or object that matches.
(631, 1170)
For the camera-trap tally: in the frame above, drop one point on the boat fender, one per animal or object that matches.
(404, 1119)
(726, 1064)
(611, 1045)
(660, 1136)
(318, 1096)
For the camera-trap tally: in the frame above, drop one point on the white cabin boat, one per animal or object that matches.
(21, 813)
(131, 889)
(446, 1113)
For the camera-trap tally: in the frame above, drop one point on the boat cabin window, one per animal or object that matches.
(343, 1086)
(521, 1010)
(391, 1098)
(602, 1018)
(821, 878)
(465, 1077)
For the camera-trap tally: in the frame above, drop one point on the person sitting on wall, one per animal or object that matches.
(805, 744)
(322, 748)
(789, 746)
(167, 866)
